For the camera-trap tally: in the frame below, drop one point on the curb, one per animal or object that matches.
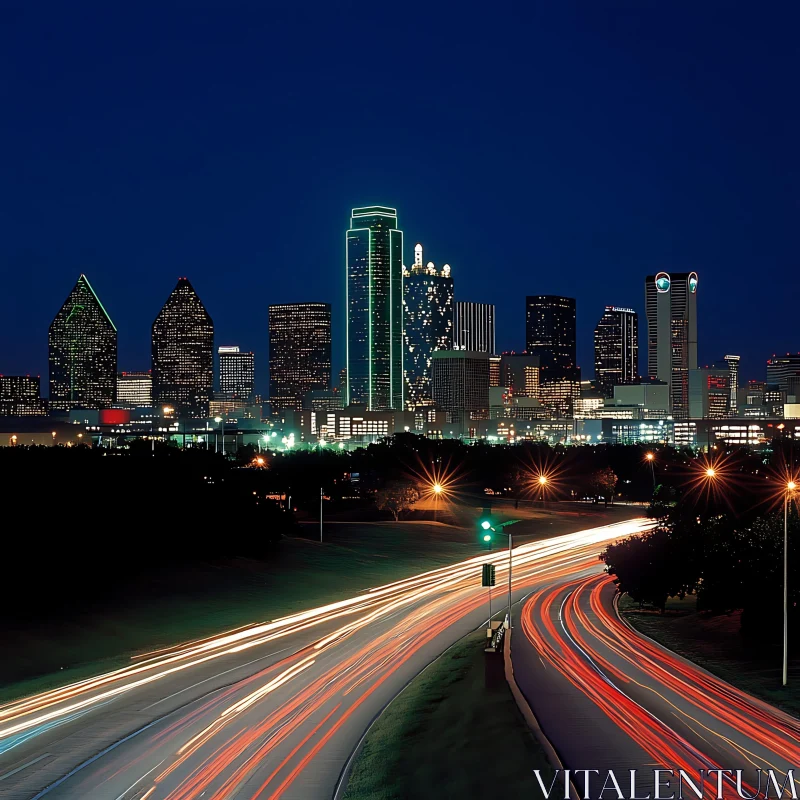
(530, 717)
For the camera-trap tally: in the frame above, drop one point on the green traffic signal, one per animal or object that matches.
(486, 524)
(487, 537)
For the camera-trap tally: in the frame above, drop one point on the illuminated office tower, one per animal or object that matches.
(183, 353)
(299, 353)
(134, 390)
(671, 307)
(428, 324)
(784, 372)
(374, 256)
(82, 352)
(731, 365)
(20, 397)
(473, 327)
(460, 384)
(550, 332)
(709, 393)
(237, 372)
(616, 349)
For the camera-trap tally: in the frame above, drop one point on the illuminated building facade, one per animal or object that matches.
(460, 381)
(709, 394)
(473, 327)
(134, 390)
(616, 349)
(784, 372)
(237, 372)
(183, 353)
(731, 365)
(82, 352)
(520, 374)
(428, 324)
(299, 352)
(374, 260)
(20, 397)
(671, 308)
(494, 370)
(550, 332)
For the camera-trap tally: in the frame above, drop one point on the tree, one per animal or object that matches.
(397, 498)
(603, 483)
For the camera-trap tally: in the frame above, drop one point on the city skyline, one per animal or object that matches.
(216, 185)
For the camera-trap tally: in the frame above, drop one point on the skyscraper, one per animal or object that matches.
(473, 327)
(134, 390)
(183, 353)
(671, 307)
(299, 352)
(20, 397)
(82, 352)
(784, 372)
(374, 255)
(428, 324)
(616, 349)
(550, 331)
(731, 365)
(460, 383)
(237, 372)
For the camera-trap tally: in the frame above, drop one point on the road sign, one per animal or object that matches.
(487, 575)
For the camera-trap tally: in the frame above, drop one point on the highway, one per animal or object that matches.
(271, 710)
(610, 698)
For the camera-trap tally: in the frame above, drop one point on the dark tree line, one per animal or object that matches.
(721, 538)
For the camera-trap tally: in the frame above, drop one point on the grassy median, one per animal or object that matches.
(448, 735)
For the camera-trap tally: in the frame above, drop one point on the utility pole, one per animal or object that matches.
(320, 515)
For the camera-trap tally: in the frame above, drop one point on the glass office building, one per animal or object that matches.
(374, 261)
(428, 321)
(82, 352)
(183, 353)
(616, 349)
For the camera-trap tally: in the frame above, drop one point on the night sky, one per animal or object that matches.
(535, 147)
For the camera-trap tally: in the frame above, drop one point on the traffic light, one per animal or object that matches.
(485, 532)
(487, 575)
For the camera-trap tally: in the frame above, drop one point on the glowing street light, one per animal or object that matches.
(651, 458)
(711, 473)
(791, 485)
(437, 488)
(221, 422)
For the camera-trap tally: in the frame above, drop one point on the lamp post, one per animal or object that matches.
(542, 483)
(221, 422)
(320, 514)
(487, 526)
(790, 487)
(652, 459)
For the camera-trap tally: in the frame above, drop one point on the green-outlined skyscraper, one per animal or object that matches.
(82, 344)
(374, 249)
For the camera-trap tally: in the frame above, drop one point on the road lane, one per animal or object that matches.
(272, 710)
(622, 701)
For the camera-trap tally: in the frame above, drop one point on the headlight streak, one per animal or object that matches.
(600, 632)
(444, 595)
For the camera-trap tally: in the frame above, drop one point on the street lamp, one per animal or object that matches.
(437, 488)
(652, 459)
(220, 421)
(487, 537)
(790, 488)
(711, 473)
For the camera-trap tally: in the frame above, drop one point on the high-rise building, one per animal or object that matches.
(731, 365)
(519, 372)
(299, 352)
(671, 307)
(374, 247)
(83, 352)
(473, 327)
(784, 372)
(134, 390)
(460, 381)
(428, 324)
(550, 331)
(183, 353)
(494, 370)
(709, 393)
(616, 349)
(20, 396)
(237, 372)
